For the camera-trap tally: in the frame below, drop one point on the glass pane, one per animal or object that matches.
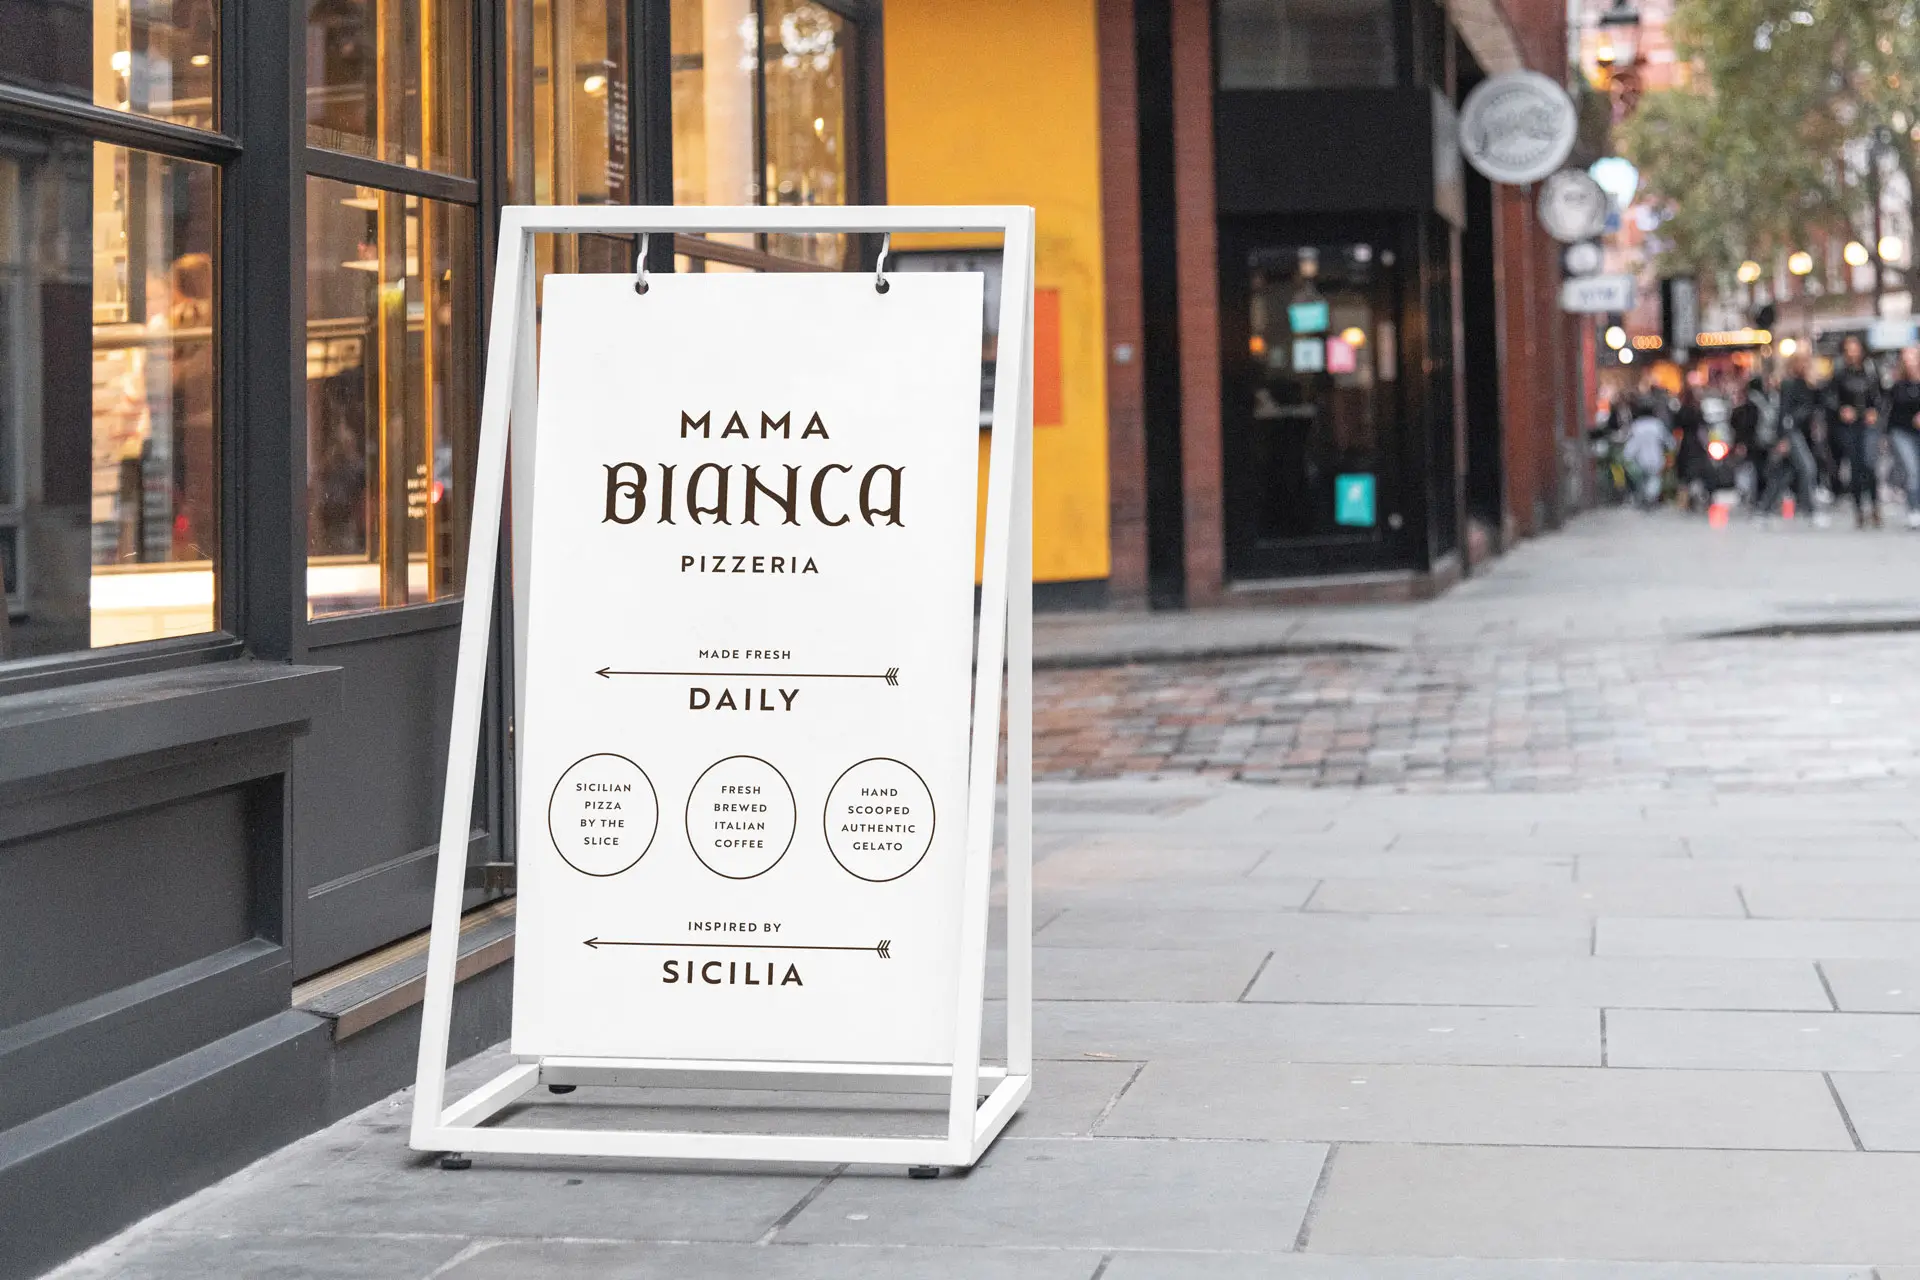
(389, 79)
(716, 58)
(1321, 344)
(153, 57)
(1305, 44)
(391, 416)
(569, 140)
(108, 397)
(806, 126)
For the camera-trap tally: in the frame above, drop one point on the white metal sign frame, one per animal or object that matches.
(1003, 643)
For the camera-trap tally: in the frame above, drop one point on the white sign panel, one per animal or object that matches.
(1517, 127)
(1597, 294)
(743, 754)
(1572, 206)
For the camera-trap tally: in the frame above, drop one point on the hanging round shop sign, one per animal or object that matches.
(1582, 258)
(1573, 207)
(1517, 127)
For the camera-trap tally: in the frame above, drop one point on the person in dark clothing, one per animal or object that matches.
(1903, 428)
(1692, 463)
(1755, 409)
(1853, 404)
(1799, 415)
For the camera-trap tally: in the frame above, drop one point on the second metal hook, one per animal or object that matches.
(880, 284)
(640, 284)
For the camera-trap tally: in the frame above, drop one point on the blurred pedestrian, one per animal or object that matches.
(1853, 405)
(1799, 403)
(1647, 444)
(1755, 425)
(1903, 428)
(1692, 462)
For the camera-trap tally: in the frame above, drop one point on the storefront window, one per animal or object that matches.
(569, 99)
(760, 110)
(389, 80)
(108, 397)
(391, 421)
(151, 57)
(1305, 44)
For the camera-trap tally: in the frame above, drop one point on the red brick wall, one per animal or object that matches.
(1126, 390)
(1199, 304)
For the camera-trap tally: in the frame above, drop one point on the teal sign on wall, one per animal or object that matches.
(1353, 500)
(1307, 317)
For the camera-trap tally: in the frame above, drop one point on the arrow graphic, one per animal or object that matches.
(891, 675)
(883, 948)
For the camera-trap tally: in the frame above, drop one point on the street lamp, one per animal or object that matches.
(1890, 248)
(1800, 262)
(1748, 272)
(1619, 36)
(1855, 254)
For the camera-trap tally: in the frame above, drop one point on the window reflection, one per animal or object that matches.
(108, 397)
(570, 143)
(1305, 44)
(760, 111)
(152, 57)
(388, 79)
(806, 91)
(391, 426)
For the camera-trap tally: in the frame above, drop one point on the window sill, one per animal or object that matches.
(78, 726)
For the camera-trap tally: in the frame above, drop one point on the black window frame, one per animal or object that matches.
(74, 118)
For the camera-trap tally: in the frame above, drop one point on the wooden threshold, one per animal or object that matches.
(367, 991)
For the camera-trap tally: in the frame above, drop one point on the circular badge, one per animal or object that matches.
(602, 815)
(879, 820)
(1517, 127)
(1582, 259)
(740, 817)
(1573, 207)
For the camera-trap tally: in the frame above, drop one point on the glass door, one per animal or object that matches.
(1311, 353)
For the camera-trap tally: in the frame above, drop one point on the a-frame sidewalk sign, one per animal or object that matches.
(756, 708)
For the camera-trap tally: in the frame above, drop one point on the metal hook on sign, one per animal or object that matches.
(880, 284)
(640, 284)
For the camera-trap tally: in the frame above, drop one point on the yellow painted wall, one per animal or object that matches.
(997, 102)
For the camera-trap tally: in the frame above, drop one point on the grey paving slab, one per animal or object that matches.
(1813, 838)
(1384, 976)
(1239, 894)
(1779, 874)
(1287, 864)
(1815, 901)
(1410, 895)
(589, 1260)
(1884, 1108)
(1675, 1206)
(1110, 861)
(1101, 973)
(1147, 926)
(1067, 1097)
(1763, 1041)
(173, 1255)
(1759, 939)
(1318, 1033)
(1495, 1106)
(1644, 843)
(1083, 1194)
(1874, 986)
(387, 1189)
(1295, 1266)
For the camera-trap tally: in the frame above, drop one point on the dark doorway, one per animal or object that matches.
(1479, 319)
(1311, 340)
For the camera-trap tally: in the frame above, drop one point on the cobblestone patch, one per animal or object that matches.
(1750, 714)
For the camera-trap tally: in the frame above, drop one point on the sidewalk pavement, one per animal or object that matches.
(1609, 575)
(1626, 1030)
(1286, 1033)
